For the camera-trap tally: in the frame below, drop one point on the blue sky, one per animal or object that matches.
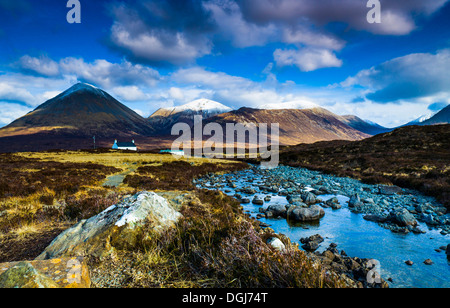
(160, 53)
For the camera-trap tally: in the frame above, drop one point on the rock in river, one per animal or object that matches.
(403, 218)
(277, 210)
(301, 214)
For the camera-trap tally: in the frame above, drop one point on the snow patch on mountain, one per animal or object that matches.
(423, 118)
(201, 105)
(82, 87)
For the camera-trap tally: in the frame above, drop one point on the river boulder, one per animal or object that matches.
(277, 210)
(355, 201)
(301, 214)
(308, 198)
(403, 218)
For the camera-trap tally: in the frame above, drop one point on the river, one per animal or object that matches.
(353, 234)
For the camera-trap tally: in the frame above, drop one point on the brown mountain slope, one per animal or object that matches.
(296, 126)
(82, 110)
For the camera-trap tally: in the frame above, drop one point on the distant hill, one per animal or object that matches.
(367, 127)
(82, 110)
(296, 126)
(71, 120)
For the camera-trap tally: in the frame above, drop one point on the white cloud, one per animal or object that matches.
(409, 77)
(199, 75)
(306, 59)
(129, 93)
(307, 37)
(10, 112)
(10, 92)
(42, 66)
(233, 27)
(231, 90)
(106, 74)
(153, 46)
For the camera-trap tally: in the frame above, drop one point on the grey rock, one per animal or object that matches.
(389, 190)
(310, 246)
(375, 218)
(277, 210)
(403, 218)
(258, 201)
(300, 214)
(308, 198)
(355, 201)
(128, 215)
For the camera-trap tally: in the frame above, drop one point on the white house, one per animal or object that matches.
(127, 146)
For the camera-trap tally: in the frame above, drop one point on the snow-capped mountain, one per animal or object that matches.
(165, 118)
(422, 118)
(204, 105)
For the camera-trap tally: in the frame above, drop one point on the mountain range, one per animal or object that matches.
(71, 120)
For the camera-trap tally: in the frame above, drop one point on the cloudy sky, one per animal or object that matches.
(160, 53)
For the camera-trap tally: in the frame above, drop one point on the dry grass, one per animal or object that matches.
(113, 158)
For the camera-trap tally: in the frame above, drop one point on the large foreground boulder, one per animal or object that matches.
(301, 214)
(119, 226)
(55, 273)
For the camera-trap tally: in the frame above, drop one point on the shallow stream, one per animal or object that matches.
(360, 238)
